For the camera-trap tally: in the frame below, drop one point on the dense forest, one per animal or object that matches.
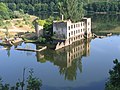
(35, 7)
(68, 8)
(71, 9)
(103, 7)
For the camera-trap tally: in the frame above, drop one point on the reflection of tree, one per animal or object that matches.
(113, 82)
(71, 72)
(32, 83)
(105, 22)
(8, 50)
(69, 59)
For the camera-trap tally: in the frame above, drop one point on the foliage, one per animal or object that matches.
(38, 7)
(20, 25)
(103, 6)
(71, 9)
(108, 23)
(113, 82)
(1, 22)
(34, 7)
(17, 14)
(41, 22)
(41, 40)
(4, 11)
(26, 17)
(32, 83)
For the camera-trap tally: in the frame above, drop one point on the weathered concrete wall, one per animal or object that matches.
(87, 27)
(72, 31)
(38, 29)
(75, 31)
(60, 30)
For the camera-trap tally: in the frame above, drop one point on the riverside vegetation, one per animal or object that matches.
(113, 82)
(29, 83)
(38, 7)
(70, 9)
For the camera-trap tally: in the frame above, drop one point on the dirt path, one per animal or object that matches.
(13, 30)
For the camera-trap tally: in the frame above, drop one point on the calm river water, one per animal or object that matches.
(83, 66)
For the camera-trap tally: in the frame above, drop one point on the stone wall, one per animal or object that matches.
(38, 29)
(60, 30)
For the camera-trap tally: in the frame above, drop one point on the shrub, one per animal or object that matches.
(113, 82)
(20, 25)
(41, 22)
(41, 39)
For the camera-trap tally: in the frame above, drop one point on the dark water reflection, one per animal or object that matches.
(67, 59)
(82, 66)
(103, 23)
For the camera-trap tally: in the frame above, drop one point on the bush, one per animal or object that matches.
(18, 21)
(17, 14)
(30, 83)
(113, 82)
(41, 40)
(27, 23)
(20, 25)
(1, 23)
(41, 22)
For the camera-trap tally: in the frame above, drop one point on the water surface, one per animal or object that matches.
(82, 66)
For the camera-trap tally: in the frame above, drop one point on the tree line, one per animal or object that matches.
(71, 9)
(34, 7)
(113, 6)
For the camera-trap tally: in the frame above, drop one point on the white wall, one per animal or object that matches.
(71, 30)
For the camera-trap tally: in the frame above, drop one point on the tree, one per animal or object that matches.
(71, 9)
(37, 8)
(12, 6)
(113, 82)
(30, 9)
(4, 11)
(52, 4)
(29, 83)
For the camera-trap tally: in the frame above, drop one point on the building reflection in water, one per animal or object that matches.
(68, 59)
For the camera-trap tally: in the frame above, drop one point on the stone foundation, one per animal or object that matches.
(62, 44)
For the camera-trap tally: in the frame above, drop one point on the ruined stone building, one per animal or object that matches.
(70, 32)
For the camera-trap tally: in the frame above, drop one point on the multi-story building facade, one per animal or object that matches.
(71, 32)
